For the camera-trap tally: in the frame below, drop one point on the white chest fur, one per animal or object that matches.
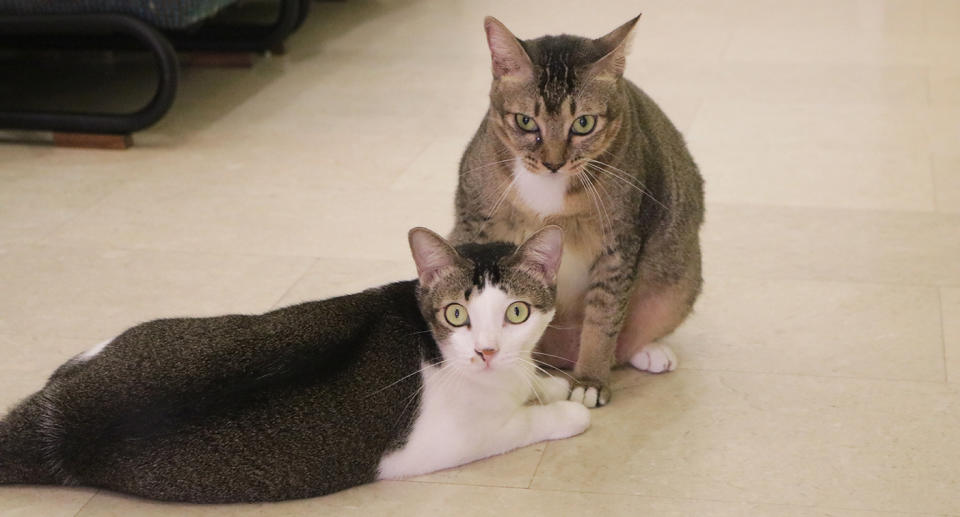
(453, 425)
(483, 417)
(544, 194)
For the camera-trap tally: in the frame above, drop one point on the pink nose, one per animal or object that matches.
(487, 353)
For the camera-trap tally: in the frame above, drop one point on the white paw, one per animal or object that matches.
(655, 358)
(553, 389)
(572, 419)
(589, 396)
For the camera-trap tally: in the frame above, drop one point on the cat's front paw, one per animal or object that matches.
(572, 418)
(590, 392)
(552, 389)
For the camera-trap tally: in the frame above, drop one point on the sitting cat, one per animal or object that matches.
(306, 400)
(567, 140)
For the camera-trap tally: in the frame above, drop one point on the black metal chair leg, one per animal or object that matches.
(97, 25)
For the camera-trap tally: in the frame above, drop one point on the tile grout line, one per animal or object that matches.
(539, 461)
(303, 275)
(825, 279)
(661, 497)
(177, 251)
(932, 169)
(46, 237)
(794, 374)
(943, 338)
(828, 208)
(84, 505)
(726, 501)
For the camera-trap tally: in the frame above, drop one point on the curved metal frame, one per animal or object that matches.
(107, 25)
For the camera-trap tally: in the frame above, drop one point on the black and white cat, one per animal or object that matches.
(306, 400)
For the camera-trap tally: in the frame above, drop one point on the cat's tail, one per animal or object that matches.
(21, 449)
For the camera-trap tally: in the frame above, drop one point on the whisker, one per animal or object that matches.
(486, 165)
(496, 207)
(624, 175)
(405, 377)
(545, 372)
(601, 167)
(598, 203)
(525, 376)
(598, 186)
(586, 188)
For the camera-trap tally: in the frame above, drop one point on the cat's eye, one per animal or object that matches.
(456, 314)
(518, 312)
(583, 125)
(526, 123)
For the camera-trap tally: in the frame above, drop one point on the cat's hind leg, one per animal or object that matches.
(652, 314)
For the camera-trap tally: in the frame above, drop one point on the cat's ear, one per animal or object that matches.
(433, 255)
(541, 253)
(615, 46)
(509, 58)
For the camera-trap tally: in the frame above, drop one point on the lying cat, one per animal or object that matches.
(306, 400)
(568, 140)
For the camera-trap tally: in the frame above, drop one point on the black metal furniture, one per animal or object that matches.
(112, 31)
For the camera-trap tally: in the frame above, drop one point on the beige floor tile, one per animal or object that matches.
(815, 83)
(328, 277)
(878, 331)
(941, 16)
(803, 175)
(418, 499)
(437, 168)
(950, 300)
(805, 243)
(42, 501)
(845, 443)
(814, 45)
(944, 86)
(826, 127)
(314, 158)
(255, 218)
(946, 178)
(876, 17)
(512, 470)
(96, 293)
(943, 128)
(39, 201)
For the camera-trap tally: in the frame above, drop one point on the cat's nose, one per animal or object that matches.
(486, 354)
(554, 167)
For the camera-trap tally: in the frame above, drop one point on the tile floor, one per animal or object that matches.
(819, 376)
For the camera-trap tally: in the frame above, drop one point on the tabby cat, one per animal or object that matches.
(568, 140)
(306, 400)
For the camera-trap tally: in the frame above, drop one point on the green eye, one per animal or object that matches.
(526, 123)
(584, 125)
(456, 314)
(518, 312)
